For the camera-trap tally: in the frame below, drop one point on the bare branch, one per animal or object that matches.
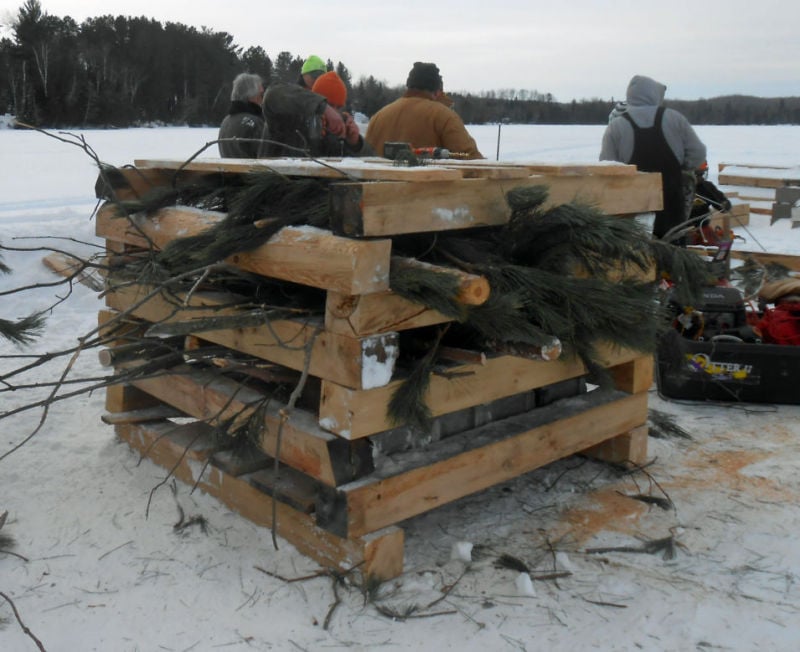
(24, 627)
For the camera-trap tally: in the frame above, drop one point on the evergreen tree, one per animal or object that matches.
(119, 71)
(256, 61)
(287, 67)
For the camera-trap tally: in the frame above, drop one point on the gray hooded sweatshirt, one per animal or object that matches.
(644, 97)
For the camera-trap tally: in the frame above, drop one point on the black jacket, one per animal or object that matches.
(244, 120)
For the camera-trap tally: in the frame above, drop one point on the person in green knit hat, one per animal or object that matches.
(312, 68)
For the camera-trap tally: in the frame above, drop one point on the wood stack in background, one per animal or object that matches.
(347, 475)
(758, 184)
(787, 204)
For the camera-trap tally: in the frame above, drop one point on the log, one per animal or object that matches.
(473, 289)
(146, 349)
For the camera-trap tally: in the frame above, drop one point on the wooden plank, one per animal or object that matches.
(155, 413)
(627, 449)
(290, 487)
(355, 414)
(755, 181)
(722, 166)
(322, 168)
(635, 376)
(306, 255)
(123, 184)
(238, 463)
(73, 267)
(360, 363)
(125, 398)
(750, 193)
(787, 260)
(379, 555)
(122, 398)
(380, 312)
(739, 214)
(759, 176)
(485, 168)
(385, 208)
(614, 195)
(473, 169)
(483, 457)
(304, 446)
(182, 449)
(599, 168)
(379, 168)
(156, 230)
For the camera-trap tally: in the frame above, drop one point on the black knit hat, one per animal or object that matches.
(424, 77)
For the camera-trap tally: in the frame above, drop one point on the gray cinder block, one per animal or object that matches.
(787, 194)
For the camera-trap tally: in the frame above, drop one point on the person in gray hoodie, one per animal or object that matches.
(657, 139)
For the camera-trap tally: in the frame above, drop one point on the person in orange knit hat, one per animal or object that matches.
(333, 89)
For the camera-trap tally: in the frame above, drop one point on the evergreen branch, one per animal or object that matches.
(688, 271)
(407, 404)
(24, 627)
(263, 195)
(22, 331)
(434, 289)
(527, 198)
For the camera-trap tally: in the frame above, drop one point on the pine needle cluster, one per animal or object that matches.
(568, 272)
(21, 331)
(265, 204)
(257, 207)
(429, 287)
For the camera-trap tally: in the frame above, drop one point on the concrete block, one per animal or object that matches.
(781, 211)
(787, 194)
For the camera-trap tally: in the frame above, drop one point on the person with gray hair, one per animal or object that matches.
(242, 129)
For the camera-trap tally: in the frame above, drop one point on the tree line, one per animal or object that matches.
(120, 71)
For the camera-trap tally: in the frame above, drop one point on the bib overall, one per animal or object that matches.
(652, 153)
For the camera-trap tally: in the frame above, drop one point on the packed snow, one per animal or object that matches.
(92, 571)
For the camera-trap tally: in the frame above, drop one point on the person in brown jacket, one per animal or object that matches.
(418, 118)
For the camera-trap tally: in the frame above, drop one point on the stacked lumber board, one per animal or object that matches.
(757, 184)
(345, 476)
(789, 261)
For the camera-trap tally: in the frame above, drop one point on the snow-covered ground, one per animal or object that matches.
(98, 575)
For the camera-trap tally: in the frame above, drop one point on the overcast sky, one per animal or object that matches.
(573, 49)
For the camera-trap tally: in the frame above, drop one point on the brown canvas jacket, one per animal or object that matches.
(421, 121)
